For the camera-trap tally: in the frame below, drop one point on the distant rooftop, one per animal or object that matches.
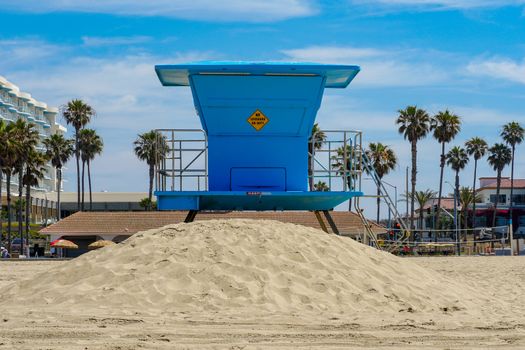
(127, 223)
(491, 183)
(101, 196)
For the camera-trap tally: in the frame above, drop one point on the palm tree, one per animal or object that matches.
(147, 204)
(8, 154)
(422, 198)
(27, 138)
(467, 198)
(476, 147)
(78, 114)
(4, 142)
(150, 147)
(500, 156)
(513, 134)
(90, 145)
(321, 186)
(316, 141)
(383, 160)
(35, 170)
(59, 150)
(343, 168)
(445, 126)
(457, 159)
(414, 125)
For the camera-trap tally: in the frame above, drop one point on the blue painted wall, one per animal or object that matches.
(241, 158)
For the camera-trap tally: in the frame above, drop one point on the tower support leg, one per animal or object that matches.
(191, 216)
(331, 222)
(320, 220)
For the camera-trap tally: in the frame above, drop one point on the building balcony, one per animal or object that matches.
(5, 117)
(24, 113)
(6, 102)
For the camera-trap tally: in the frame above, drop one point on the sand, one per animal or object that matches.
(256, 284)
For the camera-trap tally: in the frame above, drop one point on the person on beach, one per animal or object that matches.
(4, 254)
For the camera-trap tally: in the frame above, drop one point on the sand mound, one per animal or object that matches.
(242, 266)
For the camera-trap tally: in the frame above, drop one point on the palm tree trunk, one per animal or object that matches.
(378, 201)
(8, 187)
(442, 167)
(89, 185)
(28, 211)
(413, 190)
(1, 206)
(498, 186)
(59, 176)
(150, 192)
(77, 156)
(511, 184)
(83, 167)
(20, 222)
(474, 194)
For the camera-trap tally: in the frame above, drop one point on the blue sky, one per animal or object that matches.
(464, 55)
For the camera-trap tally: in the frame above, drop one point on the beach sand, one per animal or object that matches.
(244, 284)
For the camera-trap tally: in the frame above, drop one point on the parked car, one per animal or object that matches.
(15, 244)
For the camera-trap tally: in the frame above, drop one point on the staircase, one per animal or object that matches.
(404, 228)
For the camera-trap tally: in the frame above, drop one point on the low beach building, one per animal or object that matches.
(102, 201)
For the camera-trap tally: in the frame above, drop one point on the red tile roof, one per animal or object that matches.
(505, 183)
(124, 223)
(446, 203)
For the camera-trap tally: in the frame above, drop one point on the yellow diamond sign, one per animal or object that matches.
(258, 120)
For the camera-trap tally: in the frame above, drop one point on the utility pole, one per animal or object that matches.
(406, 184)
(456, 200)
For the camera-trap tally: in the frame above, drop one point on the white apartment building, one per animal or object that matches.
(14, 105)
(487, 192)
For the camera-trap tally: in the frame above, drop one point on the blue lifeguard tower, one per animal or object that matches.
(257, 119)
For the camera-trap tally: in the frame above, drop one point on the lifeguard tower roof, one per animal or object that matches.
(336, 76)
(258, 119)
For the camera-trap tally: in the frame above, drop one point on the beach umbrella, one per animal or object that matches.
(63, 243)
(100, 244)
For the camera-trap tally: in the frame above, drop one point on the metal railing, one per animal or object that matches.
(339, 154)
(182, 163)
(337, 161)
(334, 161)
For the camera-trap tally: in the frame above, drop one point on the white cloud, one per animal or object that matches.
(334, 54)
(499, 68)
(127, 96)
(207, 10)
(476, 116)
(116, 40)
(20, 51)
(442, 4)
(378, 67)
